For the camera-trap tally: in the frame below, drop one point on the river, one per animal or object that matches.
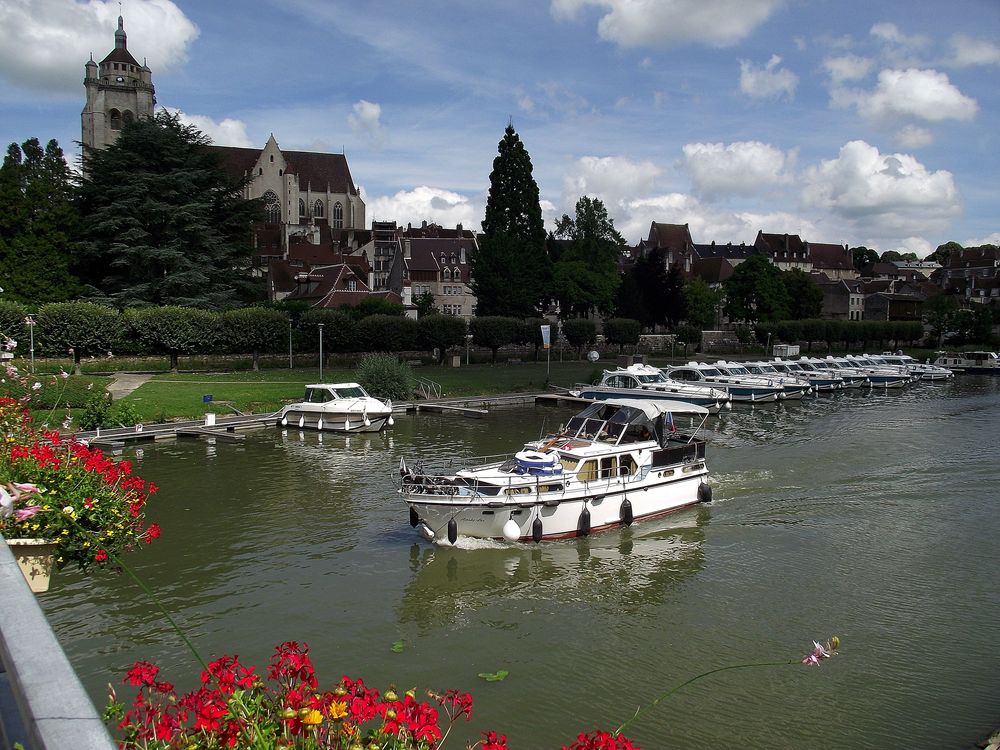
(870, 516)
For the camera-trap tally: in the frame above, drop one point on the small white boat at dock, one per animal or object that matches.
(337, 407)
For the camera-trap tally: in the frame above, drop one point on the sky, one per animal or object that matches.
(848, 121)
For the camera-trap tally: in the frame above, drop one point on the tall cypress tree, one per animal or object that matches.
(165, 225)
(37, 223)
(509, 271)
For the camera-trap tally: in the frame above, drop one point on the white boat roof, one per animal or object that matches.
(333, 385)
(655, 407)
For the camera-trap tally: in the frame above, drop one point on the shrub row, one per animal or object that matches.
(848, 332)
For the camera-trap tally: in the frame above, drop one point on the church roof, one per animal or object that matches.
(315, 170)
(120, 55)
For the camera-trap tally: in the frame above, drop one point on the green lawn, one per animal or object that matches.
(182, 395)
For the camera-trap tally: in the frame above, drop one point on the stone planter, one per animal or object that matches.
(36, 558)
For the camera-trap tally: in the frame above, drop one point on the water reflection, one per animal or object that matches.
(623, 570)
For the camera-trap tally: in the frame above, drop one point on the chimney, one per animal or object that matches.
(458, 228)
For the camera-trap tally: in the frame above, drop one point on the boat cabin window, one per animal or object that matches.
(738, 370)
(357, 392)
(685, 375)
(627, 465)
(588, 471)
(711, 372)
(319, 395)
(609, 467)
(657, 378)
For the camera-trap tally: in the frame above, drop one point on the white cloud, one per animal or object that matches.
(967, 50)
(910, 136)
(743, 167)
(663, 24)
(227, 132)
(847, 68)
(365, 119)
(769, 82)
(887, 195)
(45, 43)
(613, 179)
(425, 203)
(909, 94)
(990, 239)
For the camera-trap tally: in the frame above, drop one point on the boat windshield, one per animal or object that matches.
(738, 370)
(657, 378)
(764, 369)
(807, 367)
(319, 395)
(357, 392)
(710, 372)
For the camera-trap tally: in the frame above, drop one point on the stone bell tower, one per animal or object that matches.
(119, 90)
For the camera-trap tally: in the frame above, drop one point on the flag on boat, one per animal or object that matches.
(670, 421)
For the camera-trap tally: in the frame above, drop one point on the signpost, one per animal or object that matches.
(547, 346)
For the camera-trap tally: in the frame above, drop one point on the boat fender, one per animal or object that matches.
(511, 531)
(585, 522)
(302, 420)
(626, 512)
(414, 518)
(319, 424)
(284, 421)
(536, 530)
(390, 422)
(704, 493)
(452, 531)
(347, 424)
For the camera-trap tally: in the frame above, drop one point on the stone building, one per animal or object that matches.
(119, 90)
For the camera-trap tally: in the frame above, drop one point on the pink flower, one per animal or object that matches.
(25, 488)
(23, 514)
(820, 652)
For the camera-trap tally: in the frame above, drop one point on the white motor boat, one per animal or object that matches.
(917, 369)
(794, 386)
(789, 389)
(337, 407)
(879, 374)
(984, 363)
(821, 380)
(646, 382)
(616, 462)
(739, 388)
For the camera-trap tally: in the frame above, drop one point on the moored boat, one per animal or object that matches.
(646, 382)
(919, 370)
(337, 407)
(739, 388)
(616, 462)
(974, 362)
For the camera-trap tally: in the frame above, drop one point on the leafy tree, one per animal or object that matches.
(943, 253)
(650, 277)
(755, 292)
(384, 376)
(586, 274)
(702, 304)
(493, 331)
(622, 332)
(673, 296)
(441, 332)
(628, 299)
(805, 298)
(256, 330)
(863, 258)
(529, 332)
(165, 224)
(340, 330)
(939, 314)
(37, 224)
(387, 333)
(173, 330)
(425, 305)
(373, 306)
(12, 316)
(579, 332)
(510, 268)
(890, 255)
(78, 328)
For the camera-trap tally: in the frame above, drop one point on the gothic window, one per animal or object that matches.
(338, 215)
(318, 209)
(352, 216)
(116, 119)
(302, 209)
(127, 117)
(272, 208)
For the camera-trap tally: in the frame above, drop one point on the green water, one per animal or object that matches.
(872, 516)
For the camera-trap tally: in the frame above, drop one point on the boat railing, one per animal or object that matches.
(428, 388)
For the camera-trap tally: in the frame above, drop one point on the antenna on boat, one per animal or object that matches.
(541, 432)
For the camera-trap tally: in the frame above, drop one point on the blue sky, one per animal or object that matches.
(850, 122)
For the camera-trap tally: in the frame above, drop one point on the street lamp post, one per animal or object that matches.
(289, 344)
(321, 352)
(30, 322)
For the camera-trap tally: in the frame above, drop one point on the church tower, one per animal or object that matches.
(119, 90)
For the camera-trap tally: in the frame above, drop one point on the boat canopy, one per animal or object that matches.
(653, 408)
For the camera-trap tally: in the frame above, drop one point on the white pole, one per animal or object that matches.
(321, 352)
(289, 344)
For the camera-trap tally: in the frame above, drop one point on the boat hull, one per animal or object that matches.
(561, 516)
(332, 421)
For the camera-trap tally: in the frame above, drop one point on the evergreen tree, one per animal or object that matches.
(586, 274)
(164, 224)
(37, 223)
(509, 271)
(650, 274)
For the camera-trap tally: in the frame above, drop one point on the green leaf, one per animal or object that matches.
(397, 647)
(497, 676)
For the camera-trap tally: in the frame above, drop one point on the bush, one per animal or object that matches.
(529, 333)
(387, 333)
(340, 331)
(124, 414)
(96, 412)
(12, 315)
(384, 376)
(579, 332)
(174, 330)
(255, 330)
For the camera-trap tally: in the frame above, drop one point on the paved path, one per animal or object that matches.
(124, 383)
